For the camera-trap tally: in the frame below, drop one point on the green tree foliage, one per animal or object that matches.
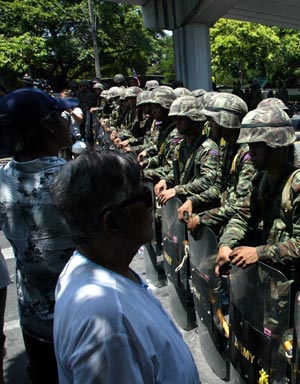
(40, 37)
(19, 53)
(165, 62)
(124, 42)
(253, 49)
(51, 39)
(289, 72)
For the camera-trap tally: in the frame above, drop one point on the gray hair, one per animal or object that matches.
(93, 183)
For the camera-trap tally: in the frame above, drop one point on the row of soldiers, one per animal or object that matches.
(235, 171)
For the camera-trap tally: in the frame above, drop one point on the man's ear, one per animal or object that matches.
(111, 224)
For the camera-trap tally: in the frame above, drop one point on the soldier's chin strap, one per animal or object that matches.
(185, 257)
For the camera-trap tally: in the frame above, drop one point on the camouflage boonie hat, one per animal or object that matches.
(272, 102)
(98, 86)
(188, 106)
(207, 97)
(132, 91)
(143, 98)
(151, 84)
(226, 109)
(269, 125)
(181, 91)
(163, 95)
(122, 93)
(113, 92)
(198, 92)
(104, 94)
(119, 78)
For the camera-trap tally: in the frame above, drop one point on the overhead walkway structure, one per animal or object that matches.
(190, 21)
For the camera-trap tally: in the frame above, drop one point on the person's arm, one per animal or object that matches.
(206, 173)
(77, 115)
(281, 244)
(157, 169)
(236, 206)
(289, 248)
(208, 168)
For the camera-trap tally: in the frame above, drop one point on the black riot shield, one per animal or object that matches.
(96, 126)
(89, 137)
(296, 343)
(259, 322)
(174, 237)
(177, 265)
(153, 259)
(207, 292)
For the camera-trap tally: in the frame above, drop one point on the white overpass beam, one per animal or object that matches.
(192, 56)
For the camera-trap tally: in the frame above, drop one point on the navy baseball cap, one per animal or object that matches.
(30, 106)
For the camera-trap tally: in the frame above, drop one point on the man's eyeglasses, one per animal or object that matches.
(145, 197)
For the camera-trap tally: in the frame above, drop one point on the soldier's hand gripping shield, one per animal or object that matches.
(259, 322)
(175, 253)
(213, 329)
(296, 343)
(154, 265)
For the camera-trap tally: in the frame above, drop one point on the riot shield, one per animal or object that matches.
(296, 343)
(153, 259)
(96, 126)
(174, 236)
(207, 292)
(89, 137)
(259, 323)
(177, 265)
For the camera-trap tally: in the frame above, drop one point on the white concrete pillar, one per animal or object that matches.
(192, 56)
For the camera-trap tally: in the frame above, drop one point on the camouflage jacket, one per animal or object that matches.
(237, 174)
(161, 163)
(275, 223)
(114, 117)
(136, 146)
(150, 145)
(199, 168)
(128, 121)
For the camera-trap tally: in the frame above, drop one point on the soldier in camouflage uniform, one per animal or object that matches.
(159, 157)
(113, 96)
(107, 106)
(275, 198)
(225, 112)
(149, 137)
(151, 84)
(196, 166)
(198, 92)
(131, 118)
(212, 132)
(274, 102)
(181, 91)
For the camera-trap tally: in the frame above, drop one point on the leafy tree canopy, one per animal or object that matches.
(51, 39)
(247, 50)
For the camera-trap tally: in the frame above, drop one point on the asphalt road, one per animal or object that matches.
(15, 361)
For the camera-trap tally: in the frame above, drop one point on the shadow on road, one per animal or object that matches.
(15, 372)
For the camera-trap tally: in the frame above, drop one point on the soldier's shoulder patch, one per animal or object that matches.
(214, 152)
(176, 140)
(246, 157)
